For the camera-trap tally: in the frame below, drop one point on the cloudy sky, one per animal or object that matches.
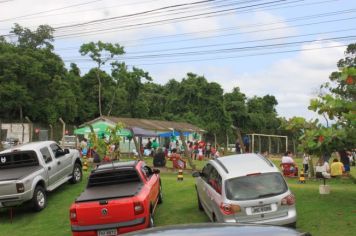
(286, 48)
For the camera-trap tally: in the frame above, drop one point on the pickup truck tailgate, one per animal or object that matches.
(8, 177)
(107, 204)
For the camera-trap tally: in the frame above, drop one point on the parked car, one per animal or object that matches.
(219, 229)
(245, 188)
(9, 142)
(28, 171)
(69, 141)
(120, 197)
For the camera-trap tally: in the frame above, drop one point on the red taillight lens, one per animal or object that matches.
(73, 215)
(138, 208)
(289, 200)
(228, 209)
(20, 187)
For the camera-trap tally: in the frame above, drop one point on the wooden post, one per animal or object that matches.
(259, 144)
(278, 146)
(51, 128)
(30, 131)
(63, 130)
(242, 146)
(215, 140)
(286, 144)
(269, 144)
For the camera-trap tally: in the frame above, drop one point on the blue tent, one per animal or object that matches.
(174, 133)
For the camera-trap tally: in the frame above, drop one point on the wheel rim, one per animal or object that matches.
(77, 174)
(41, 199)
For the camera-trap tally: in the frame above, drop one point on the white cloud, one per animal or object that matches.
(292, 81)
(264, 25)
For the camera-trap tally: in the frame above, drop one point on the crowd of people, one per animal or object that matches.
(339, 166)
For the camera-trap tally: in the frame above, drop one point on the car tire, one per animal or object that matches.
(160, 194)
(200, 206)
(39, 198)
(77, 174)
(151, 223)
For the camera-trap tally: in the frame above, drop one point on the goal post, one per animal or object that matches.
(256, 138)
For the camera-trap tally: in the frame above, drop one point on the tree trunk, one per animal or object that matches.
(186, 152)
(242, 146)
(138, 149)
(99, 92)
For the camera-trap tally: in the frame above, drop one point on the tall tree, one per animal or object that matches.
(132, 81)
(101, 53)
(338, 102)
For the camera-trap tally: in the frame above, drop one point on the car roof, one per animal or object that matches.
(243, 164)
(29, 146)
(218, 229)
(115, 165)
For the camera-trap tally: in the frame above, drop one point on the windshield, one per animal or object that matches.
(70, 139)
(255, 186)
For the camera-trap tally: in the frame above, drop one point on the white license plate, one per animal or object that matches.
(261, 209)
(107, 232)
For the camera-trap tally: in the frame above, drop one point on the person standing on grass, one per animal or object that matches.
(306, 159)
(345, 160)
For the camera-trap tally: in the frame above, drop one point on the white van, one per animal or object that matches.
(245, 188)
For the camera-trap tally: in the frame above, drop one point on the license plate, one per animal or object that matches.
(107, 232)
(261, 209)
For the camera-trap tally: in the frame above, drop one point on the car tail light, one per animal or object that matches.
(228, 209)
(20, 187)
(73, 215)
(138, 208)
(289, 200)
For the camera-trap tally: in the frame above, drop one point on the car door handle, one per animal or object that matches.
(49, 168)
(58, 163)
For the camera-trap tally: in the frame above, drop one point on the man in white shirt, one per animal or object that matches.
(287, 158)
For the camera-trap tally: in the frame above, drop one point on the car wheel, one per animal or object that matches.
(77, 174)
(39, 198)
(199, 203)
(151, 221)
(160, 194)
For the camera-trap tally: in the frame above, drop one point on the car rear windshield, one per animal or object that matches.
(114, 176)
(18, 159)
(255, 186)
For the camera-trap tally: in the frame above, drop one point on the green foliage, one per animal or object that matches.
(35, 83)
(338, 103)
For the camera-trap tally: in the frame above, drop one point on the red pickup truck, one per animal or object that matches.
(119, 197)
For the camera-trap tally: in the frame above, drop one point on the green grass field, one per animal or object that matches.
(333, 214)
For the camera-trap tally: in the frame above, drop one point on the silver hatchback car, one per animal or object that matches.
(245, 188)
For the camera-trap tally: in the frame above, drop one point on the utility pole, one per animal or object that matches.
(63, 130)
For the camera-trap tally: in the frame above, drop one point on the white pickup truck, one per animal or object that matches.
(28, 171)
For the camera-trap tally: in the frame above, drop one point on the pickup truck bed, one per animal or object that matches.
(109, 192)
(18, 173)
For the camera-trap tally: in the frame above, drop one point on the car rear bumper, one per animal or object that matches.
(284, 219)
(122, 227)
(15, 199)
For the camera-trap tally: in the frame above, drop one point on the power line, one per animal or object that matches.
(51, 10)
(140, 24)
(243, 42)
(235, 49)
(232, 57)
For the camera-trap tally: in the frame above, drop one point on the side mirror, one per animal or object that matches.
(66, 151)
(196, 174)
(156, 171)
